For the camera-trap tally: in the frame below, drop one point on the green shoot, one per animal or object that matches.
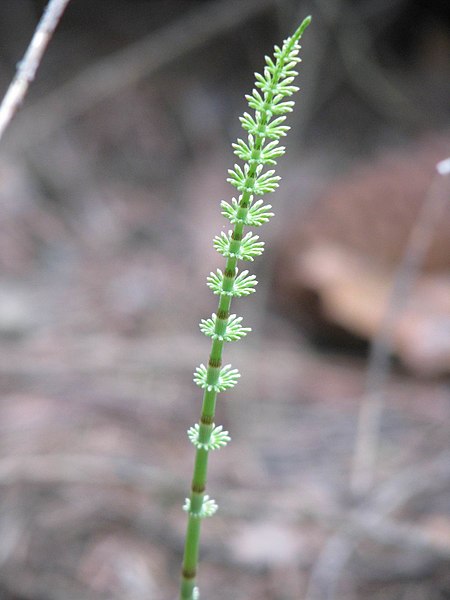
(264, 129)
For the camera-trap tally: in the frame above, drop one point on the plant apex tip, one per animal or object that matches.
(304, 24)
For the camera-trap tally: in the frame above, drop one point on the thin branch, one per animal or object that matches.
(372, 404)
(27, 68)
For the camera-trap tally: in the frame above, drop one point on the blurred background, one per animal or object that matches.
(111, 176)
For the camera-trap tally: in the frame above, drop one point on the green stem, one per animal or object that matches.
(198, 485)
(206, 425)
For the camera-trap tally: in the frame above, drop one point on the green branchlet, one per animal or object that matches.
(219, 438)
(209, 507)
(270, 103)
(242, 284)
(226, 378)
(233, 328)
(258, 213)
(247, 250)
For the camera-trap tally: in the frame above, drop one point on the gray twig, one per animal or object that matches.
(372, 403)
(26, 69)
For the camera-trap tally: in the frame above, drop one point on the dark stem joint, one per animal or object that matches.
(197, 488)
(223, 314)
(229, 273)
(206, 420)
(189, 574)
(237, 237)
(215, 363)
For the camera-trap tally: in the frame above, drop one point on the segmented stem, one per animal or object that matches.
(250, 181)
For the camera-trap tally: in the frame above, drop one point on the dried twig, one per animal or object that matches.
(378, 368)
(27, 68)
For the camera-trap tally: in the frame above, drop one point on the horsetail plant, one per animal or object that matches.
(264, 129)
